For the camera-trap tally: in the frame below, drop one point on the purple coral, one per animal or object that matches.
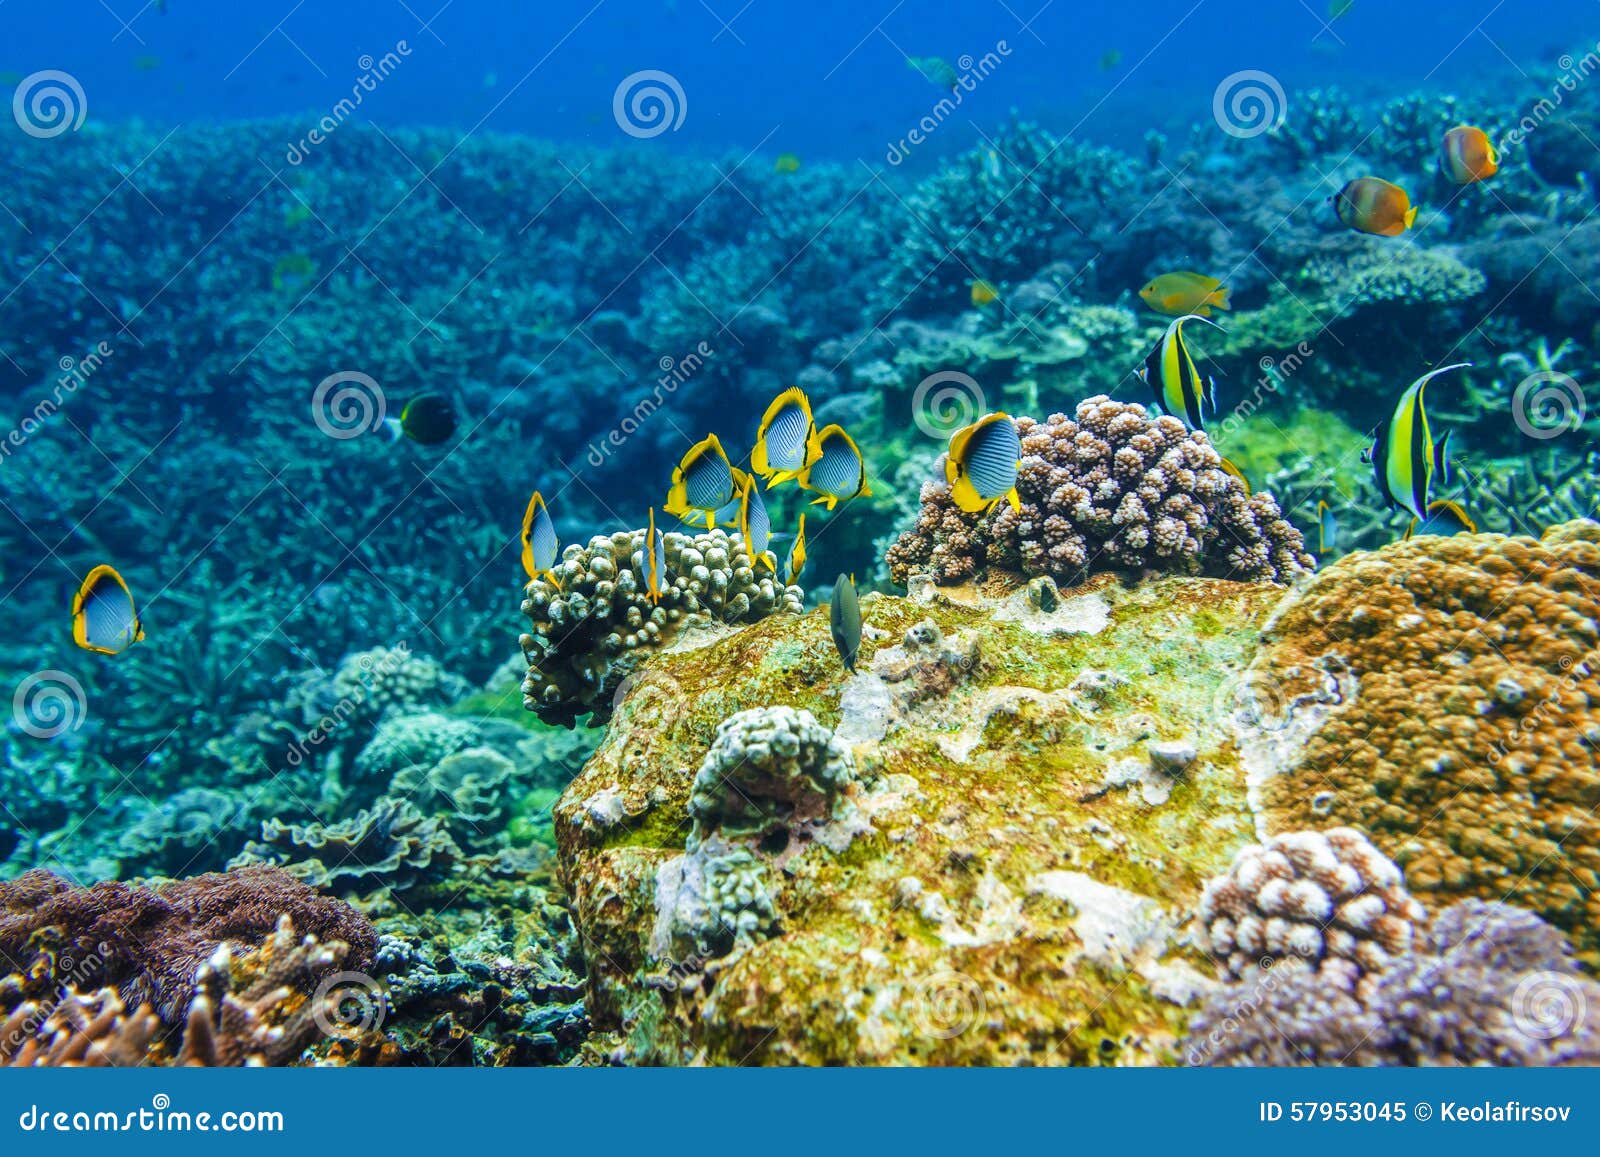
(1111, 489)
(1487, 984)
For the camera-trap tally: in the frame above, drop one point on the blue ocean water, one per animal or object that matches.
(824, 79)
(395, 538)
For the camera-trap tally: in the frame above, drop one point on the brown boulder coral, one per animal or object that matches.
(1109, 489)
(1441, 695)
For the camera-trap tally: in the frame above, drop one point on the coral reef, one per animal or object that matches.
(1439, 696)
(1111, 489)
(1486, 983)
(263, 1007)
(1012, 862)
(587, 634)
(1328, 900)
(150, 943)
(391, 845)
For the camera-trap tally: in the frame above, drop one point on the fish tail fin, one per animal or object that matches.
(1411, 216)
(866, 489)
(1220, 297)
(549, 576)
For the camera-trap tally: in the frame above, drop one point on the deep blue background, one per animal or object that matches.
(823, 78)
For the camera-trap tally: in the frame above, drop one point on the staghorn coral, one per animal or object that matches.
(588, 634)
(1112, 489)
(1440, 695)
(391, 845)
(1488, 983)
(769, 767)
(1328, 899)
(149, 943)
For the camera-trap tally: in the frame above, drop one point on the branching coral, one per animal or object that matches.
(1452, 686)
(1112, 489)
(588, 634)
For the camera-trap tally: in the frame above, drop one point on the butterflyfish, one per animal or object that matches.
(981, 465)
(104, 619)
(786, 441)
(702, 483)
(839, 473)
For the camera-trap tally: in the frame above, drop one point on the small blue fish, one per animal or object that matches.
(755, 525)
(652, 559)
(786, 441)
(844, 621)
(104, 619)
(1327, 530)
(1444, 519)
(796, 561)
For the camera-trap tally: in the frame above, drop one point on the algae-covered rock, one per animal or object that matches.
(1003, 850)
